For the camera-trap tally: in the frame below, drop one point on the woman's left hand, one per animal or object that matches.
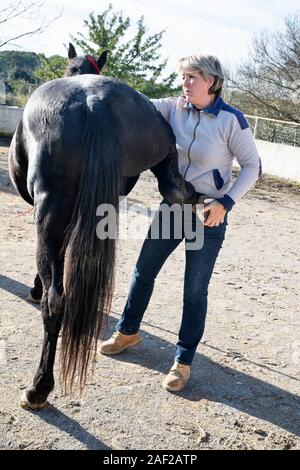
(216, 214)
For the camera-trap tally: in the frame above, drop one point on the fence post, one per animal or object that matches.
(255, 127)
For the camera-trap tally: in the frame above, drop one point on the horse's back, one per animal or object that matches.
(59, 110)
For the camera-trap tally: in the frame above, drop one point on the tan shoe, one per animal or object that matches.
(119, 342)
(177, 377)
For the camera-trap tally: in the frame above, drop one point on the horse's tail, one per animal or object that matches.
(89, 260)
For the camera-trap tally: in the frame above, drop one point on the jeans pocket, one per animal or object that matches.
(217, 231)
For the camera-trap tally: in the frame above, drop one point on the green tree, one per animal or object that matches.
(15, 65)
(17, 70)
(136, 61)
(51, 68)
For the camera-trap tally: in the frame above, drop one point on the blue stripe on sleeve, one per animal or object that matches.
(238, 114)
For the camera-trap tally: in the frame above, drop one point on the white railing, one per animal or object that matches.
(275, 130)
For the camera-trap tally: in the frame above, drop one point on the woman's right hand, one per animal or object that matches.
(216, 214)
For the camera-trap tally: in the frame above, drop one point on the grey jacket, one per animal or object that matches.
(207, 142)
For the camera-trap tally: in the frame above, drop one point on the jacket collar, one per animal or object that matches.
(212, 109)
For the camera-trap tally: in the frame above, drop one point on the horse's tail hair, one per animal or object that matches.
(89, 260)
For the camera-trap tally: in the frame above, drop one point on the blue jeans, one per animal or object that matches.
(198, 270)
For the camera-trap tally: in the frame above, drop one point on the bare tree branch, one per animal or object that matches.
(268, 78)
(15, 12)
(9, 7)
(267, 104)
(18, 9)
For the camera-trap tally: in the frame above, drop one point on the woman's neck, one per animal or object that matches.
(205, 102)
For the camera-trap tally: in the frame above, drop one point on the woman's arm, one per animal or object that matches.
(164, 105)
(242, 146)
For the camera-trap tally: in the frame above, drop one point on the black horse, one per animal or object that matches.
(80, 65)
(81, 142)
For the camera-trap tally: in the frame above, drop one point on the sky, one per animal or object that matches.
(222, 28)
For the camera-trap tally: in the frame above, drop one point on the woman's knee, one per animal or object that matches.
(195, 298)
(143, 276)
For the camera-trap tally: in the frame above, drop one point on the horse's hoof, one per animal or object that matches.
(30, 402)
(32, 300)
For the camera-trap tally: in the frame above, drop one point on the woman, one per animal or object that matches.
(209, 134)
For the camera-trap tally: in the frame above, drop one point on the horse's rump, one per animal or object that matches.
(58, 111)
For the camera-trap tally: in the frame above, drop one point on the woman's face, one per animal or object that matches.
(195, 88)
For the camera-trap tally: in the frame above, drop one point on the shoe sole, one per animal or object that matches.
(133, 345)
(176, 389)
(169, 389)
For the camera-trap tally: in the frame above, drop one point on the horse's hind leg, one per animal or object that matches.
(35, 294)
(50, 267)
(171, 184)
(18, 167)
(18, 164)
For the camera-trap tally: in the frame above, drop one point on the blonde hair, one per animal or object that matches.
(208, 66)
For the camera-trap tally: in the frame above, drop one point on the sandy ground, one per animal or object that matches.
(244, 389)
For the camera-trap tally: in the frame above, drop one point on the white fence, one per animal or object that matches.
(279, 159)
(278, 144)
(275, 130)
(9, 118)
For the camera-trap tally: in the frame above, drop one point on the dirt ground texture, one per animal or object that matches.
(244, 388)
